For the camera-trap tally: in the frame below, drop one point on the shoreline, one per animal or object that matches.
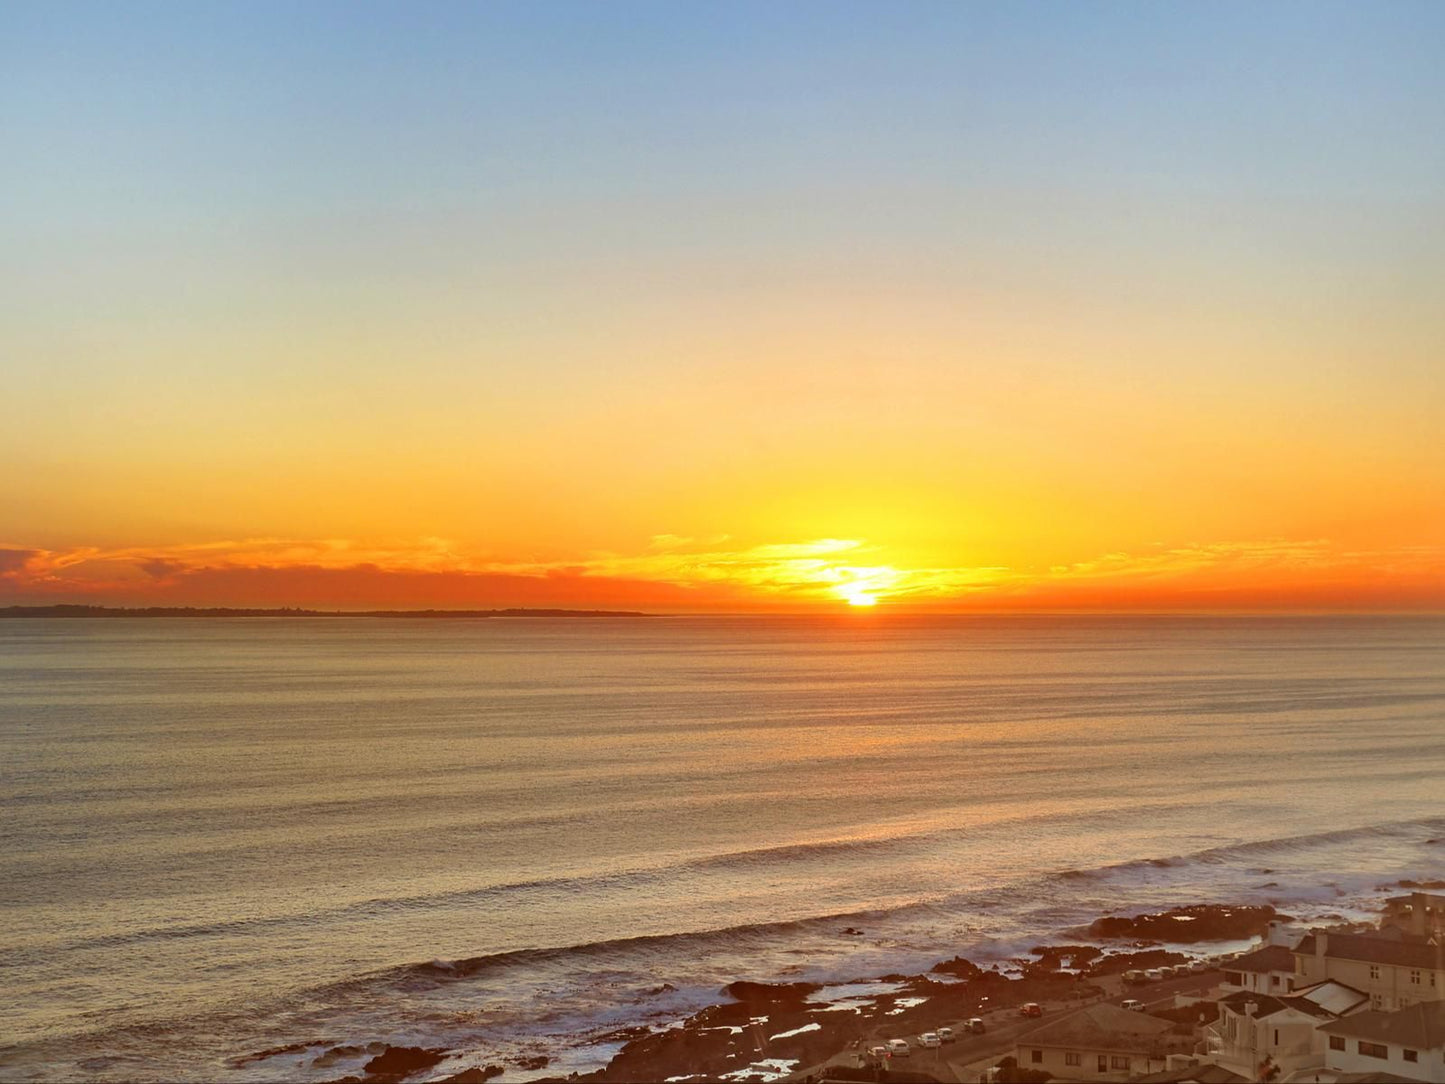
(776, 1031)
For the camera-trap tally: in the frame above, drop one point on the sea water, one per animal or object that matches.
(223, 837)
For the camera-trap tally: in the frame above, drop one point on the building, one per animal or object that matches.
(1395, 969)
(1419, 913)
(1258, 1030)
(1408, 1043)
(1269, 970)
(1100, 1042)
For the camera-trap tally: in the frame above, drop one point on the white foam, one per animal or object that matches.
(815, 1026)
(768, 1069)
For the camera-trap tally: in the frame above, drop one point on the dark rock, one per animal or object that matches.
(398, 1062)
(537, 1061)
(1407, 883)
(1210, 922)
(852, 931)
(770, 993)
(963, 968)
(474, 1075)
(665, 988)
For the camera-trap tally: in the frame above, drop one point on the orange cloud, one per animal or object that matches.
(674, 573)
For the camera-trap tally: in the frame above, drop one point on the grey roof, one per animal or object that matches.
(1193, 1074)
(1100, 1027)
(1420, 1027)
(1334, 996)
(1269, 958)
(1269, 1004)
(1377, 950)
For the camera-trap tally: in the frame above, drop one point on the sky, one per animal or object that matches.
(723, 306)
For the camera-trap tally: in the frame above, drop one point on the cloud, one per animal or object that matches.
(15, 560)
(673, 572)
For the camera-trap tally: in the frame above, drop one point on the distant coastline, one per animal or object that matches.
(227, 611)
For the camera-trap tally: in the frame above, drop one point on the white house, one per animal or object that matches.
(1408, 1043)
(1269, 970)
(1255, 1031)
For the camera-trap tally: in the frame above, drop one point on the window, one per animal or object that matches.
(1374, 971)
(1116, 1062)
(1103, 1063)
(1415, 977)
(1274, 980)
(1276, 1036)
(1376, 1001)
(1374, 1050)
(1036, 1056)
(1337, 1042)
(1412, 1055)
(1234, 978)
(1072, 1058)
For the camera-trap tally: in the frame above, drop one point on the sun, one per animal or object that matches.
(856, 596)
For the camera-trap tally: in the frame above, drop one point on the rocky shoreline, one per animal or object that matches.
(765, 1031)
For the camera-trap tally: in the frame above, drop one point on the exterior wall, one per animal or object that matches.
(1430, 1067)
(1055, 1062)
(1246, 1040)
(1259, 982)
(1391, 990)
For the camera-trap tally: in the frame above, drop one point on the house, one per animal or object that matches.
(1193, 1074)
(1100, 1042)
(1419, 913)
(1396, 969)
(1407, 1043)
(1269, 970)
(1259, 1030)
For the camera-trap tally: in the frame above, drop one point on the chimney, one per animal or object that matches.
(1250, 1008)
(1321, 944)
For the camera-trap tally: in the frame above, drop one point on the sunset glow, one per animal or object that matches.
(708, 327)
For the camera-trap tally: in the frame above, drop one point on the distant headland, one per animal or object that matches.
(289, 611)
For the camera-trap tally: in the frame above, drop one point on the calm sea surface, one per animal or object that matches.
(504, 836)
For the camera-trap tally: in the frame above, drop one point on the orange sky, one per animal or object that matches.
(744, 309)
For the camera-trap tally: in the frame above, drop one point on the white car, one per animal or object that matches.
(1132, 1004)
(899, 1048)
(947, 1035)
(930, 1039)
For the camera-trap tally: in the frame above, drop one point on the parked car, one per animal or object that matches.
(1031, 1008)
(1135, 977)
(878, 1053)
(930, 1040)
(975, 1025)
(946, 1035)
(1153, 974)
(899, 1048)
(1133, 1004)
(1197, 966)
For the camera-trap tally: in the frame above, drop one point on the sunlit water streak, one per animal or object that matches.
(497, 836)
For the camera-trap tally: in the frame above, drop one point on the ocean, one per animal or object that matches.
(510, 837)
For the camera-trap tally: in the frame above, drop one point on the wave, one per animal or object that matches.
(1033, 891)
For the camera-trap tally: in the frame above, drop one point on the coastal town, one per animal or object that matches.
(1332, 1004)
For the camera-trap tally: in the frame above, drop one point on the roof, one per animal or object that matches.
(1333, 996)
(1268, 1005)
(1376, 950)
(1420, 1027)
(1374, 1078)
(1192, 1074)
(1269, 958)
(1100, 1027)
